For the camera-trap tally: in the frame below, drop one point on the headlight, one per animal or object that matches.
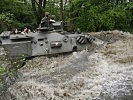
(56, 44)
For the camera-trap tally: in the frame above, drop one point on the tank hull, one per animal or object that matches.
(39, 43)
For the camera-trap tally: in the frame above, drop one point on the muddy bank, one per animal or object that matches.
(105, 73)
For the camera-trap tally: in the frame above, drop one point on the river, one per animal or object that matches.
(106, 73)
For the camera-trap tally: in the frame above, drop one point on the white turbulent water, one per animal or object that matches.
(83, 75)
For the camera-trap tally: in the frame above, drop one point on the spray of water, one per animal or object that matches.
(104, 73)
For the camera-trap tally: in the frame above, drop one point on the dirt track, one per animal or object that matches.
(104, 73)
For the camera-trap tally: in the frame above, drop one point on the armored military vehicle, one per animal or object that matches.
(48, 39)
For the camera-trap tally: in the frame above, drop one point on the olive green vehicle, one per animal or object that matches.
(48, 39)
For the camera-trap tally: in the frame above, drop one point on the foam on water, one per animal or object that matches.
(103, 76)
(114, 78)
(83, 75)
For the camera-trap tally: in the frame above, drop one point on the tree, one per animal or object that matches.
(38, 9)
(97, 15)
(15, 14)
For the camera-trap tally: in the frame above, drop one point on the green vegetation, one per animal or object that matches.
(95, 15)
(88, 15)
(2, 73)
(53, 9)
(15, 14)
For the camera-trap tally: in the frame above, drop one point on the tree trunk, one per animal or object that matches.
(44, 3)
(62, 13)
(35, 11)
(3, 26)
(38, 9)
(62, 10)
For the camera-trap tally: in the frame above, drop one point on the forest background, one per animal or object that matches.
(88, 15)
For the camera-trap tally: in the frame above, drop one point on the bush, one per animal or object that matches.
(16, 14)
(97, 16)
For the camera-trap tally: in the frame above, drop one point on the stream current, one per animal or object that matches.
(105, 73)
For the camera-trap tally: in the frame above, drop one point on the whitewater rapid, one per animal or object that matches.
(103, 74)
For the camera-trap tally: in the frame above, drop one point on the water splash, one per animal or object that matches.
(105, 74)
